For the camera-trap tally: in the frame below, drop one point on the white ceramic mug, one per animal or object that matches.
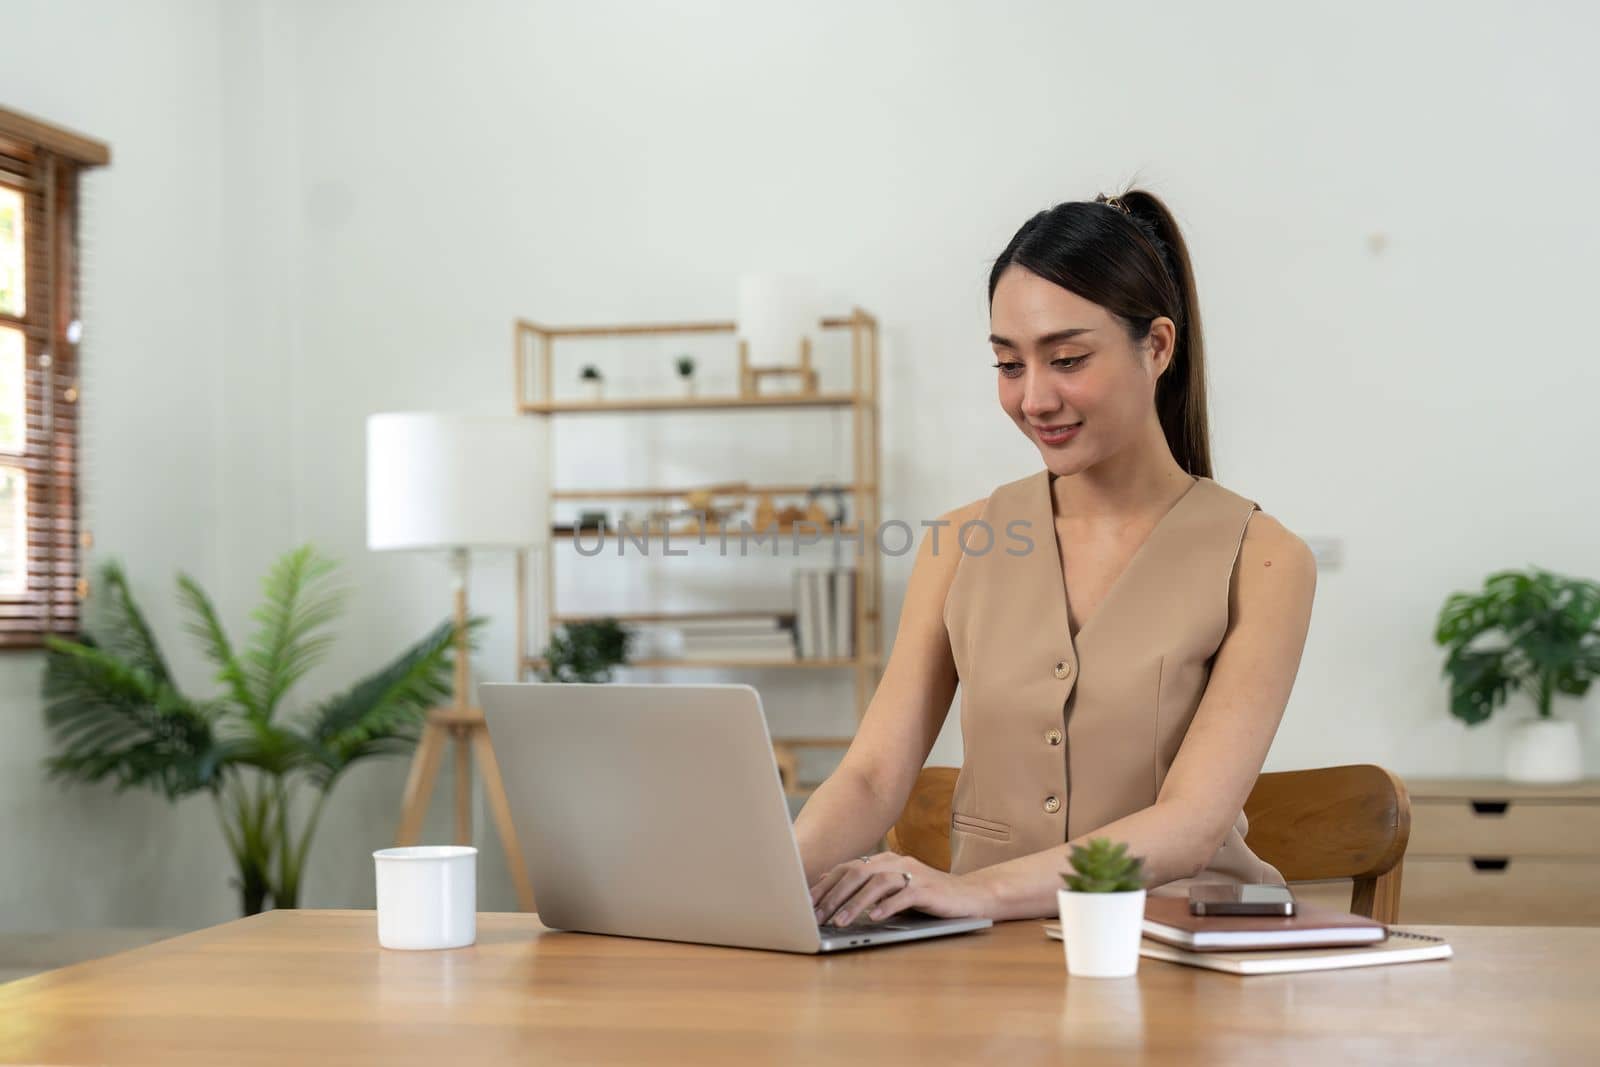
(427, 896)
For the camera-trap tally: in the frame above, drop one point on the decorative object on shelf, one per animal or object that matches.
(590, 520)
(1531, 630)
(685, 365)
(838, 493)
(766, 513)
(778, 316)
(456, 483)
(705, 514)
(592, 382)
(117, 713)
(1102, 910)
(586, 651)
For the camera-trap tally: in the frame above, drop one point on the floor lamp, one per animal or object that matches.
(455, 483)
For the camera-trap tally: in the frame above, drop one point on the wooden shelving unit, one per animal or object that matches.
(534, 359)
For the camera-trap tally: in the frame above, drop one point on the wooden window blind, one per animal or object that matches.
(43, 163)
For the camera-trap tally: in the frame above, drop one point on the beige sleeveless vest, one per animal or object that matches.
(1063, 736)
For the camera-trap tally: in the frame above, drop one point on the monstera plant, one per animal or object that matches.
(1534, 631)
(268, 764)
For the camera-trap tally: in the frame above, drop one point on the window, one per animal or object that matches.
(40, 548)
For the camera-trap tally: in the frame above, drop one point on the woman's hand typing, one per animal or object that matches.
(876, 887)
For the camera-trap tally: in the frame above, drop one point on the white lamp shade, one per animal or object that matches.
(775, 312)
(453, 481)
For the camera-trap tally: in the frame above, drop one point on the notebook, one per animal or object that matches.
(1168, 919)
(1401, 946)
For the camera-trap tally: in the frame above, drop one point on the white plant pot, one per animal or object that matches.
(688, 384)
(593, 388)
(1544, 750)
(1100, 932)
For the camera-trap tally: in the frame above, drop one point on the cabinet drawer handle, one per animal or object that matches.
(1499, 864)
(1490, 807)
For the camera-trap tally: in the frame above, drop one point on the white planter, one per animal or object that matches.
(1100, 932)
(1544, 750)
(593, 388)
(688, 384)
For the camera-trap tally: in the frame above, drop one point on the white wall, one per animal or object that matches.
(372, 191)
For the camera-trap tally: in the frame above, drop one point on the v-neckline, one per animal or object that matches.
(1060, 567)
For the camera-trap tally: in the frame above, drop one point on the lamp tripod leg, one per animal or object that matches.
(419, 783)
(494, 789)
(463, 741)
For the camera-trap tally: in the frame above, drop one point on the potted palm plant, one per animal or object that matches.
(685, 365)
(117, 714)
(1102, 910)
(1532, 631)
(586, 651)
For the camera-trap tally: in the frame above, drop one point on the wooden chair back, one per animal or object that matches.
(1325, 823)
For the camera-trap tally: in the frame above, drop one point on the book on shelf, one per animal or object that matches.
(773, 637)
(753, 654)
(806, 632)
(749, 624)
(781, 644)
(825, 612)
(844, 612)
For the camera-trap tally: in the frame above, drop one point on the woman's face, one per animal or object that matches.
(1067, 364)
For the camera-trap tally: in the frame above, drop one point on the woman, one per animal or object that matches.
(1126, 630)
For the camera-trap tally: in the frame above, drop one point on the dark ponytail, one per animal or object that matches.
(1135, 264)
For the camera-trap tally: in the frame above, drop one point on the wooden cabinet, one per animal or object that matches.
(1488, 851)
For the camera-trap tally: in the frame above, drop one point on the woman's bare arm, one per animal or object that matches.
(1227, 741)
(849, 813)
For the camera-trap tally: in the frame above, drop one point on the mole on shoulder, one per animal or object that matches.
(1268, 563)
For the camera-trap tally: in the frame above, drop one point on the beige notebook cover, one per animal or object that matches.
(1402, 946)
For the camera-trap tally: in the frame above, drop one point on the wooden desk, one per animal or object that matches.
(313, 986)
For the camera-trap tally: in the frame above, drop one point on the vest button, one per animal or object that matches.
(1053, 736)
(1063, 668)
(1052, 805)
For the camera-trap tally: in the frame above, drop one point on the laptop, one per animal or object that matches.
(656, 811)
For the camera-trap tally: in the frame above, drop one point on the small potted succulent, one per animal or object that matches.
(1102, 910)
(1532, 631)
(685, 365)
(593, 384)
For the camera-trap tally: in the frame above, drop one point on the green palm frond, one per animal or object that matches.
(382, 713)
(301, 600)
(122, 628)
(269, 747)
(206, 625)
(114, 720)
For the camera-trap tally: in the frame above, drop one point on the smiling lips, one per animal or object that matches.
(1057, 435)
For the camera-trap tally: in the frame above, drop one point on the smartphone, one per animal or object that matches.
(1227, 899)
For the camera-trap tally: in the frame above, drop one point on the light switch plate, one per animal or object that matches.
(1328, 551)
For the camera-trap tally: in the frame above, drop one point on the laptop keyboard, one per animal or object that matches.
(898, 923)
